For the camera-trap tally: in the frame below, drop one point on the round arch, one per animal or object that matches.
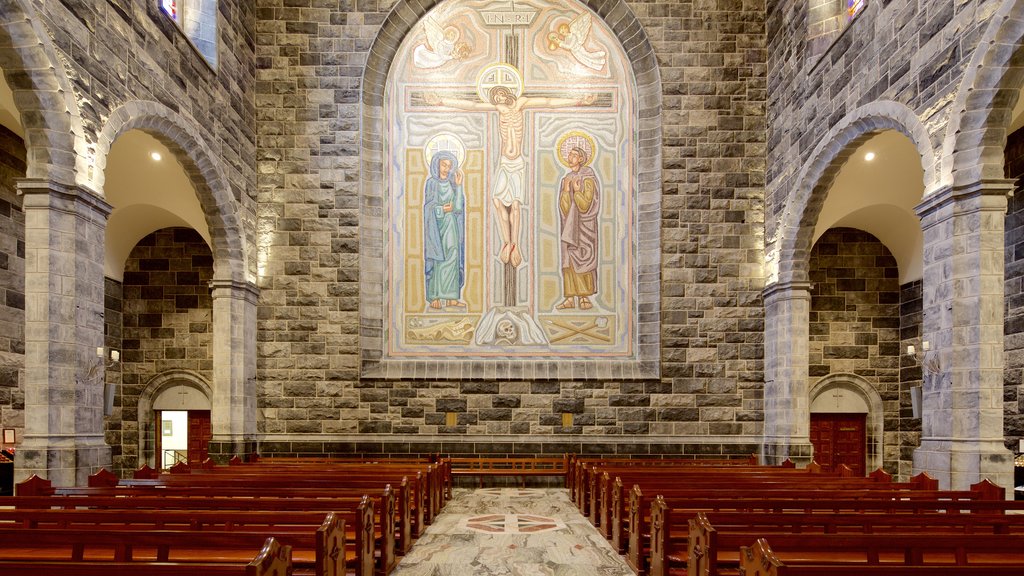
(155, 388)
(636, 44)
(182, 137)
(852, 394)
(975, 138)
(43, 94)
(793, 238)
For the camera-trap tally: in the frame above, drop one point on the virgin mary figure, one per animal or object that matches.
(444, 232)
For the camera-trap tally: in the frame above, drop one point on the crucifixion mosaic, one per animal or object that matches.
(510, 158)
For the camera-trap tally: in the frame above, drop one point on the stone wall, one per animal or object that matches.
(117, 52)
(911, 306)
(1013, 399)
(167, 315)
(310, 61)
(12, 283)
(907, 52)
(855, 320)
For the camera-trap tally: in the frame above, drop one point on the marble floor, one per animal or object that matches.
(512, 531)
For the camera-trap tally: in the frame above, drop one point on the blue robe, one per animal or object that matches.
(444, 234)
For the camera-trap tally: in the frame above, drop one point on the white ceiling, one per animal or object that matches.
(146, 195)
(7, 109)
(879, 197)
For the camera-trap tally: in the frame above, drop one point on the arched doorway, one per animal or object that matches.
(174, 420)
(846, 423)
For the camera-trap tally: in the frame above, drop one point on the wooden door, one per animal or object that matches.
(199, 436)
(158, 434)
(840, 439)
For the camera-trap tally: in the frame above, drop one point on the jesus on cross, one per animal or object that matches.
(509, 191)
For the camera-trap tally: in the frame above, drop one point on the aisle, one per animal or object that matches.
(511, 531)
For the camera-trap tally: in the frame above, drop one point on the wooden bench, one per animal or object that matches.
(358, 512)
(273, 559)
(808, 555)
(483, 467)
(711, 545)
(317, 539)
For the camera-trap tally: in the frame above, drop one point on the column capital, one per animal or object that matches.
(791, 290)
(42, 193)
(234, 289)
(942, 197)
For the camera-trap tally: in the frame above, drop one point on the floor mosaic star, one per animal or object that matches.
(511, 532)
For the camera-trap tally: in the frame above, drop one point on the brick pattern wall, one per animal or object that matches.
(309, 64)
(115, 423)
(911, 307)
(12, 282)
(1013, 393)
(855, 319)
(167, 316)
(908, 52)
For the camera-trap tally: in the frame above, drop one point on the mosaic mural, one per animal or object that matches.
(510, 170)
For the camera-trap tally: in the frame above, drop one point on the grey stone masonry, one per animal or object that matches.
(233, 414)
(786, 402)
(855, 321)
(12, 283)
(962, 426)
(64, 232)
(321, 72)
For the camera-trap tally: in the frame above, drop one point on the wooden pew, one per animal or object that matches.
(714, 544)
(356, 511)
(273, 559)
(400, 511)
(316, 539)
(482, 467)
(972, 556)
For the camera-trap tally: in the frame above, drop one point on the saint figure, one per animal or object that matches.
(579, 196)
(444, 232)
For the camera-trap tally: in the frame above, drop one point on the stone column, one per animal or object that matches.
(962, 408)
(233, 414)
(65, 230)
(786, 406)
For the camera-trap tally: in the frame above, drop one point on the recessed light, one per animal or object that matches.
(156, 156)
(869, 156)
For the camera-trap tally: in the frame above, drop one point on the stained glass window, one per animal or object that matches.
(854, 7)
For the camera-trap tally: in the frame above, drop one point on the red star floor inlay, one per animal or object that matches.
(513, 524)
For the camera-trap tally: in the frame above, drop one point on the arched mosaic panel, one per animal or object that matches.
(510, 176)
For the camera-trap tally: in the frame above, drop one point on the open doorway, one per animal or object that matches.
(182, 436)
(178, 421)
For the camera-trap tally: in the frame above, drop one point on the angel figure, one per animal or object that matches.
(442, 45)
(573, 38)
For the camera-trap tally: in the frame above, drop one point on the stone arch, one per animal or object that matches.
(54, 133)
(154, 388)
(861, 398)
(643, 63)
(794, 236)
(182, 137)
(975, 139)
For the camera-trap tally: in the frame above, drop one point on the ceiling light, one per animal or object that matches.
(869, 156)
(156, 156)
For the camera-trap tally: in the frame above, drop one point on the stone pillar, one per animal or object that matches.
(962, 408)
(233, 414)
(65, 230)
(786, 406)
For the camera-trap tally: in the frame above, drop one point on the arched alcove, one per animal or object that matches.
(174, 389)
(571, 81)
(850, 394)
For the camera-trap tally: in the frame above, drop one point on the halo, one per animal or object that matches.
(453, 29)
(498, 74)
(575, 139)
(444, 142)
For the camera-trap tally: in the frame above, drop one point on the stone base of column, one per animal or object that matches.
(776, 451)
(224, 448)
(63, 461)
(957, 464)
